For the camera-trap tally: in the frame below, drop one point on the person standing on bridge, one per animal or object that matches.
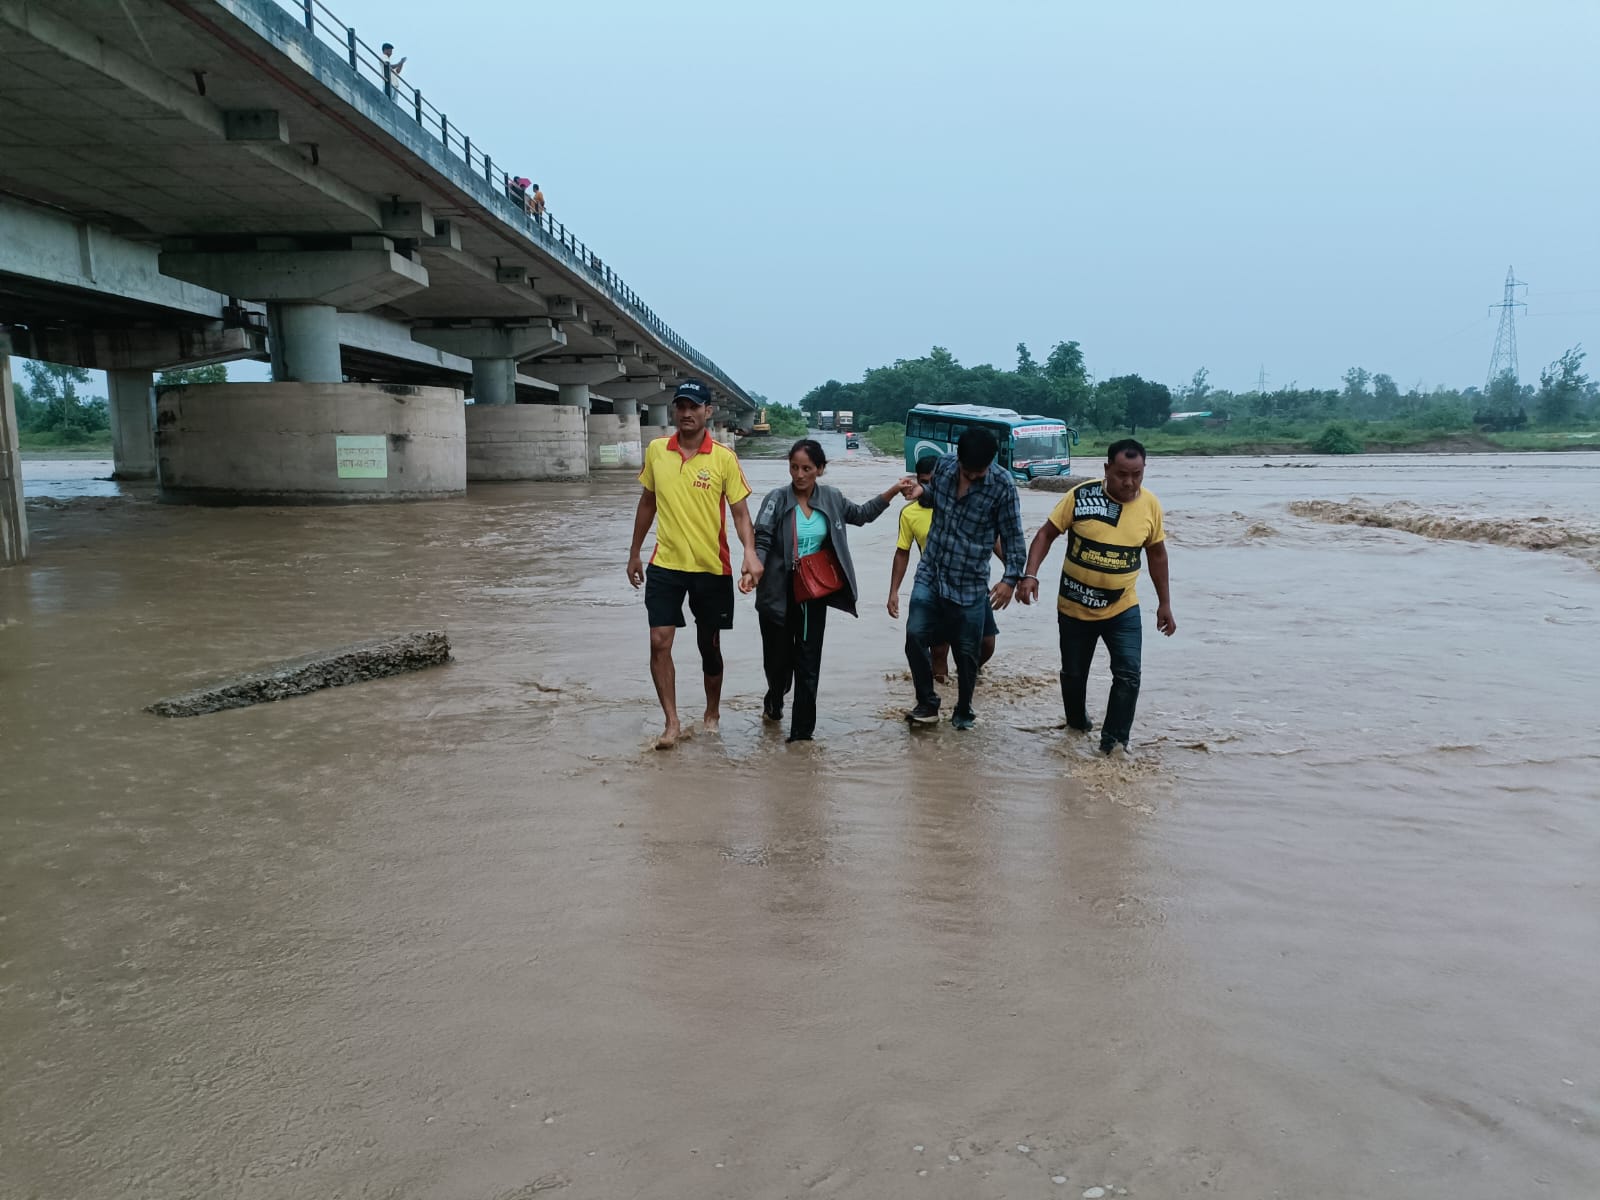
(974, 504)
(690, 483)
(536, 203)
(1109, 523)
(391, 69)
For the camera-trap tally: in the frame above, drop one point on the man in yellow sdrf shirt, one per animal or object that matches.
(690, 483)
(1110, 524)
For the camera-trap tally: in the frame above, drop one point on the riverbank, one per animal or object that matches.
(1419, 441)
(64, 453)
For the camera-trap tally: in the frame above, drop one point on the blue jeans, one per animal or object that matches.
(1124, 641)
(932, 621)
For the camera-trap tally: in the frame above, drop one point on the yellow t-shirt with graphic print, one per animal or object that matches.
(1105, 549)
(692, 498)
(916, 519)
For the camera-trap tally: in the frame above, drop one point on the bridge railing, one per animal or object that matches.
(370, 66)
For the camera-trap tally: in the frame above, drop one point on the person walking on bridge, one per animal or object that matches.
(1110, 523)
(690, 484)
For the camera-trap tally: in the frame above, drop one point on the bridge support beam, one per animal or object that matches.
(13, 517)
(304, 288)
(495, 349)
(130, 404)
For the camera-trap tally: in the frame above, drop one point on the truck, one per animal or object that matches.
(825, 420)
(845, 421)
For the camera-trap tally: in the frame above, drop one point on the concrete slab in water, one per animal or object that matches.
(355, 663)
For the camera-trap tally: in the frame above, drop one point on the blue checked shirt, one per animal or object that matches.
(955, 564)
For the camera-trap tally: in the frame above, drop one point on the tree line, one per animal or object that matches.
(52, 406)
(1060, 386)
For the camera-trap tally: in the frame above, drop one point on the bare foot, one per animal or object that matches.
(669, 737)
(712, 723)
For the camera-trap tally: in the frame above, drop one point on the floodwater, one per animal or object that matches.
(1334, 932)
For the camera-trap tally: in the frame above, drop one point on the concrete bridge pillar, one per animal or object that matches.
(574, 395)
(494, 381)
(614, 437)
(13, 518)
(304, 340)
(131, 406)
(310, 443)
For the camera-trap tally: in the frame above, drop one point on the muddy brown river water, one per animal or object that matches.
(462, 934)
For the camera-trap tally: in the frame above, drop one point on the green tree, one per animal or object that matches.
(1026, 367)
(786, 420)
(57, 406)
(1194, 395)
(1503, 407)
(1385, 395)
(1337, 439)
(1355, 387)
(1070, 392)
(183, 376)
(1132, 401)
(1561, 388)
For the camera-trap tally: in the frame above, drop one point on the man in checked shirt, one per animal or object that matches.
(974, 502)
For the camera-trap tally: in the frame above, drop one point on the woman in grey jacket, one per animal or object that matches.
(796, 520)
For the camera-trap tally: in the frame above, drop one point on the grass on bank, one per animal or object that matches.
(55, 444)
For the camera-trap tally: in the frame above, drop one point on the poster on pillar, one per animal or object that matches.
(362, 457)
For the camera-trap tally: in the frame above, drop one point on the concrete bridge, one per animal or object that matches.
(193, 181)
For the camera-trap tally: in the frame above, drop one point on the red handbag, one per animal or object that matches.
(816, 575)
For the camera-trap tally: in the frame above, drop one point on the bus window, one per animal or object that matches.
(941, 431)
(916, 425)
(956, 430)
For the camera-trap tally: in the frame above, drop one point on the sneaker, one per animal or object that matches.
(924, 714)
(963, 720)
(1114, 749)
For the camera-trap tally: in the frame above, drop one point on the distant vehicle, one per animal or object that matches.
(1031, 447)
(825, 420)
(761, 427)
(852, 442)
(846, 420)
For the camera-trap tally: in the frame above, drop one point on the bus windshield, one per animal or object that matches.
(1039, 443)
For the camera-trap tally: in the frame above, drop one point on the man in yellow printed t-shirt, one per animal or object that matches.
(690, 484)
(1111, 525)
(916, 519)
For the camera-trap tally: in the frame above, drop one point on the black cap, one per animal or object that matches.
(693, 389)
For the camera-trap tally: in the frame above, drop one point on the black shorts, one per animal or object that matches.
(710, 597)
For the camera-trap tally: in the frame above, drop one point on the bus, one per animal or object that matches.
(1031, 447)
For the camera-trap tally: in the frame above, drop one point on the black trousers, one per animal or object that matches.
(791, 653)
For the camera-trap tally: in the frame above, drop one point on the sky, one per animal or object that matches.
(807, 191)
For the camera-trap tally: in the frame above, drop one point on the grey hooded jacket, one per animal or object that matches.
(775, 544)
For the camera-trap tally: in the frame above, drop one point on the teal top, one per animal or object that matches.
(810, 531)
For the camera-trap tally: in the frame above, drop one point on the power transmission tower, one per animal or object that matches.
(1504, 357)
(1261, 381)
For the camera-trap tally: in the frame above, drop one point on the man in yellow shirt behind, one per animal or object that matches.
(1110, 524)
(690, 484)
